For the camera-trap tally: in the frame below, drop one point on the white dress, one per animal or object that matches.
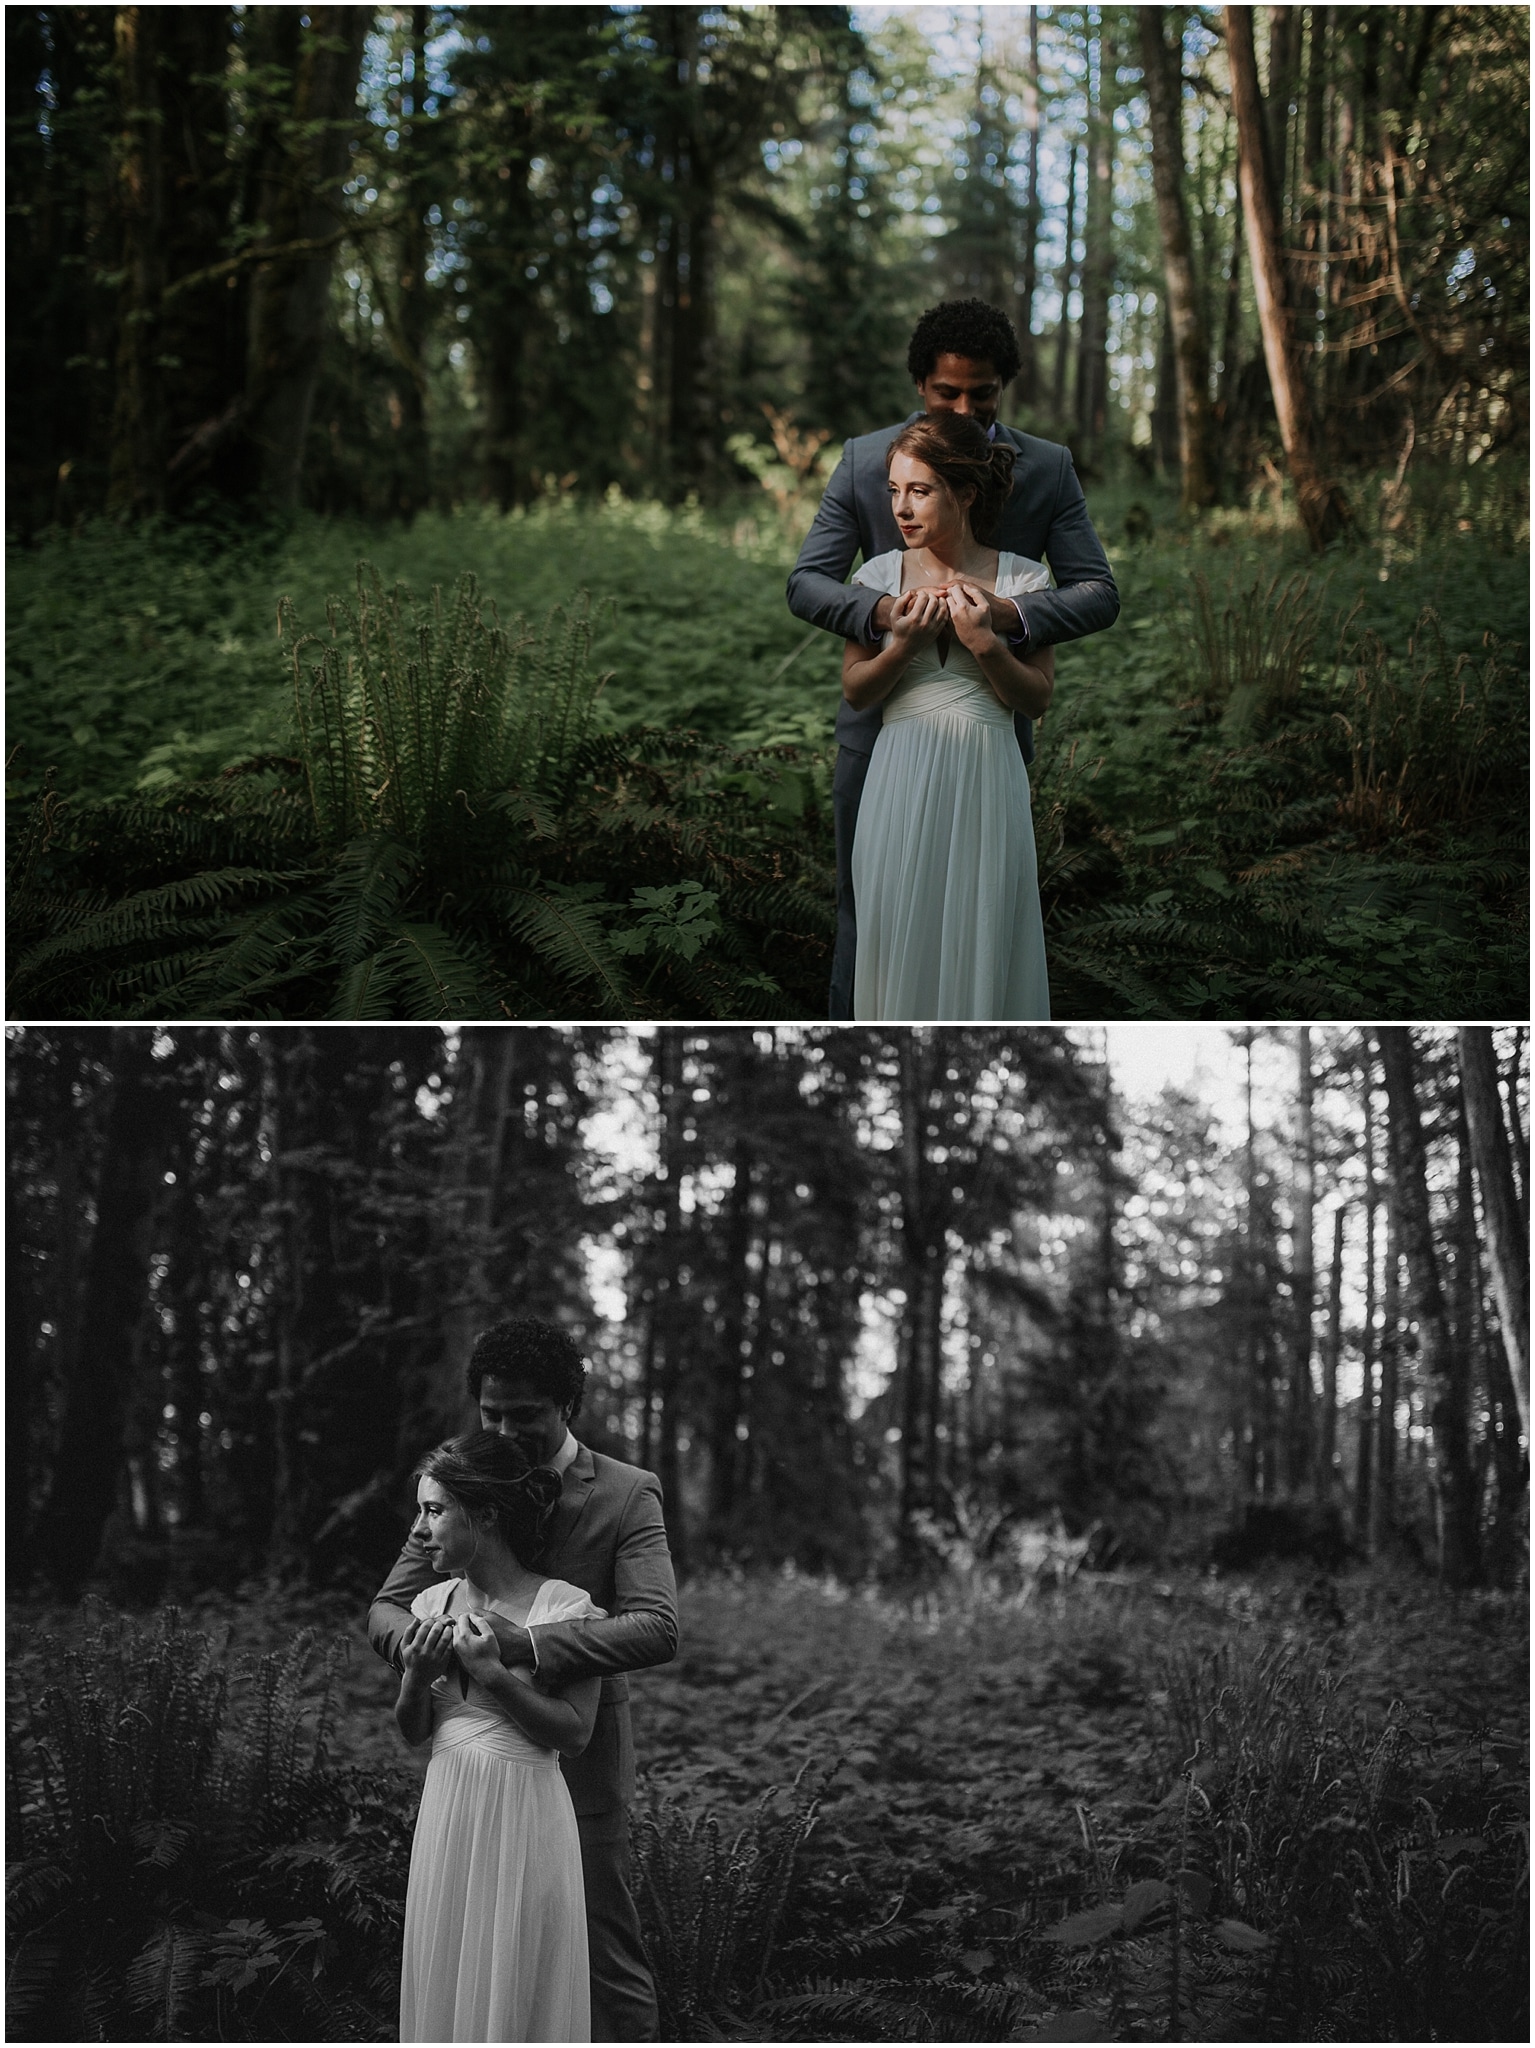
(495, 1916)
(945, 878)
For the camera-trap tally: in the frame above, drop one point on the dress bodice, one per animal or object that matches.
(956, 682)
(476, 1715)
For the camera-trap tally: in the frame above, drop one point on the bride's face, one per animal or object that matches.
(926, 510)
(445, 1528)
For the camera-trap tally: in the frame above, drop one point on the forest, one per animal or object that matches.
(579, 303)
(1195, 1416)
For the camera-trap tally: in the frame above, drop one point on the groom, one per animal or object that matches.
(606, 1536)
(962, 353)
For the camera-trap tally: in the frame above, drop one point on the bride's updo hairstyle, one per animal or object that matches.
(484, 1469)
(958, 453)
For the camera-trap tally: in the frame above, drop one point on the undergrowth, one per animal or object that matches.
(453, 836)
(184, 1860)
(1094, 1807)
(1278, 787)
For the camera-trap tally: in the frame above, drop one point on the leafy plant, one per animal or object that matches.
(454, 837)
(710, 1909)
(186, 1862)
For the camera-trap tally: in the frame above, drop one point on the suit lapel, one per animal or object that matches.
(575, 1492)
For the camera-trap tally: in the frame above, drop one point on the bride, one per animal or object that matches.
(495, 1920)
(944, 870)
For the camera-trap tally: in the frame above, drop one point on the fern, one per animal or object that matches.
(711, 1910)
(168, 1790)
(163, 1978)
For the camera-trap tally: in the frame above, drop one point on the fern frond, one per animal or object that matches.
(369, 878)
(440, 975)
(163, 1977)
(568, 932)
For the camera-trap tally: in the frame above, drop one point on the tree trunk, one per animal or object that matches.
(1323, 508)
(922, 1279)
(1027, 386)
(414, 466)
(1284, 64)
(1303, 1273)
(666, 1319)
(1063, 330)
(1508, 1249)
(300, 200)
(89, 1462)
(1519, 1136)
(1164, 87)
(1098, 258)
(1383, 1501)
(137, 481)
(1327, 1438)
(1443, 1362)
(1364, 1460)
(465, 1213)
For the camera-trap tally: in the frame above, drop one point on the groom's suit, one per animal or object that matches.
(608, 1537)
(1045, 518)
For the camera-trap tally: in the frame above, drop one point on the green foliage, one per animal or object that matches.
(186, 1860)
(467, 844)
(1269, 790)
(1009, 1846)
(710, 1910)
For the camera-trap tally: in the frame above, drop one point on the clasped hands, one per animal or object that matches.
(428, 1647)
(978, 616)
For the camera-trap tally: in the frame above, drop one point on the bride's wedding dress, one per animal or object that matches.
(495, 1917)
(944, 872)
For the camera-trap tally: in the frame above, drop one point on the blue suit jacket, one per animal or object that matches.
(1045, 518)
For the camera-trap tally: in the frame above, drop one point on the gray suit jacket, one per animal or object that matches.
(1045, 519)
(608, 1537)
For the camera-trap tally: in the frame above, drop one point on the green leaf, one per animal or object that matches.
(1247, 1941)
(1141, 1901)
(1083, 1930)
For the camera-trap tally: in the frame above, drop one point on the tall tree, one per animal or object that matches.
(100, 1377)
(1323, 507)
(1300, 1422)
(1098, 241)
(1028, 384)
(1507, 1238)
(1163, 69)
(1460, 1560)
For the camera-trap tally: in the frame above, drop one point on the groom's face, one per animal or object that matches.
(532, 1419)
(962, 384)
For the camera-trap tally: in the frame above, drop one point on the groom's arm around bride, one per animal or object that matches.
(607, 1535)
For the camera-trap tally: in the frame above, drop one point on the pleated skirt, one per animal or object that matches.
(945, 877)
(495, 1919)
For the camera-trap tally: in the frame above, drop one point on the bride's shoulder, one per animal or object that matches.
(1018, 572)
(558, 1600)
(879, 570)
(435, 1599)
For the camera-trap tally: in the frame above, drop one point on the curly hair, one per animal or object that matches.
(958, 453)
(963, 327)
(486, 1470)
(527, 1348)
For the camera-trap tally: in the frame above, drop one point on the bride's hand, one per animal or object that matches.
(970, 609)
(476, 1645)
(426, 1648)
(919, 617)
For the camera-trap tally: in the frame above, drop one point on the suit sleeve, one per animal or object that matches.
(389, 1616)
(1085, 598)
(818, 589)
(642, 1629)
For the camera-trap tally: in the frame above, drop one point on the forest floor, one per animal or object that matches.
(1273, 788)
(985, 1766)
